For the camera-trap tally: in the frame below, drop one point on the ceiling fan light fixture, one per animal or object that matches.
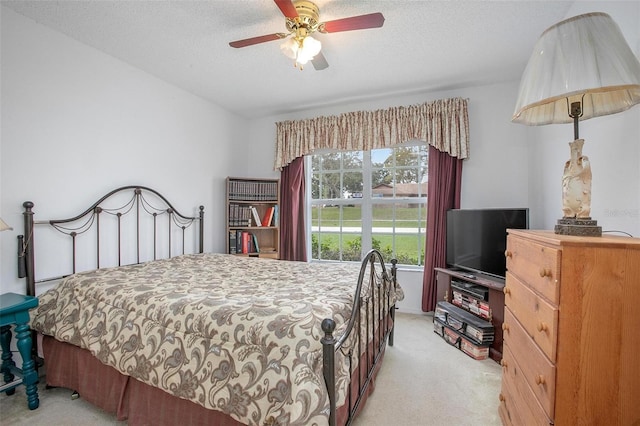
(301, 50)
(289, 47)
(310, 48)
(302, 18)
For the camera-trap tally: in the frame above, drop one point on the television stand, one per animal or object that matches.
(495, 299)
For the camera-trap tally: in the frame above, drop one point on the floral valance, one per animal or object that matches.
(443, 123)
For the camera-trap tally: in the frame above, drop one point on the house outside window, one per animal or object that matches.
(368, 199)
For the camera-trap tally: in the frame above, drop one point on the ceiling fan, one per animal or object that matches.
(302, 20)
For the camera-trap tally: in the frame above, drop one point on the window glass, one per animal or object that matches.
(372, 199)
(335, 232)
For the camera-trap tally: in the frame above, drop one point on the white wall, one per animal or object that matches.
(77, 123)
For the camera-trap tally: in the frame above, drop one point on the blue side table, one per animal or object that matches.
(14, 310)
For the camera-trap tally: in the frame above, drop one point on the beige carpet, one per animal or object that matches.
(423, 381)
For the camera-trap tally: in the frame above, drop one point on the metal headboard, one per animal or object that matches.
(137, 204)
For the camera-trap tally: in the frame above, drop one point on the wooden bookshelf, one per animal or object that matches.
(252, 217)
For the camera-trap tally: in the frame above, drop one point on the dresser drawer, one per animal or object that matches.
(537, 316)
(536, 265)
(536, 368)
(520, 403)
(507, 409)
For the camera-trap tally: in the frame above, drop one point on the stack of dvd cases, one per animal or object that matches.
(473, 298)
(460, 328)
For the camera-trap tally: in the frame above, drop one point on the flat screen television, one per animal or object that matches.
(477, 238)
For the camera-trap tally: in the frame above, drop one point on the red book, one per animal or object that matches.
(268, 215)
(245, 242)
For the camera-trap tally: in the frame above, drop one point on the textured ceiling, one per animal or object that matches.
(423, 46)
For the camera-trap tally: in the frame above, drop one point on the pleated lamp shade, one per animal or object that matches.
(584, 58)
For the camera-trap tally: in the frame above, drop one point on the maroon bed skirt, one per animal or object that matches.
(128, 399)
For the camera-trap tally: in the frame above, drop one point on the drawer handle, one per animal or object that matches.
(540, 379)
(502, 398)
(542, 327)
(505, 326)
(503, 363)
(545, 272)
(508, 254)
(506, 290)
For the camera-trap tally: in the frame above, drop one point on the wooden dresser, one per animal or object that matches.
(571, 330)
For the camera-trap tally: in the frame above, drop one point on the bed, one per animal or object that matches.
(187, 337)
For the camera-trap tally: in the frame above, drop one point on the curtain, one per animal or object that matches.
(445, 182)
(442, 123)
(292, 228)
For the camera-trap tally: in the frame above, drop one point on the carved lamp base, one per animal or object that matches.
(582, 227)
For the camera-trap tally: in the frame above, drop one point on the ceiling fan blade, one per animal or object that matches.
(287, 8)
(319, 62)
(372, 20)
(256, 40)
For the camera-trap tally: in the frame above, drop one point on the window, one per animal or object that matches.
(368, 199)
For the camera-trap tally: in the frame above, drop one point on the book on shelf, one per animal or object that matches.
(245, 242)
(268, 216)
(249, 243)
(238, 241)
(256, 216)
(256, 248)
(255, 190)
(239, 215)
(232, 215)
(276, 214)
(233, 247)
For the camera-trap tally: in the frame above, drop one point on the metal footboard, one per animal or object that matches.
(378, 305)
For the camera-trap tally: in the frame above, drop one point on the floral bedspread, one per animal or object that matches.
(238, 335)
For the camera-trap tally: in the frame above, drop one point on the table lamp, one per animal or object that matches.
(580, 68)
